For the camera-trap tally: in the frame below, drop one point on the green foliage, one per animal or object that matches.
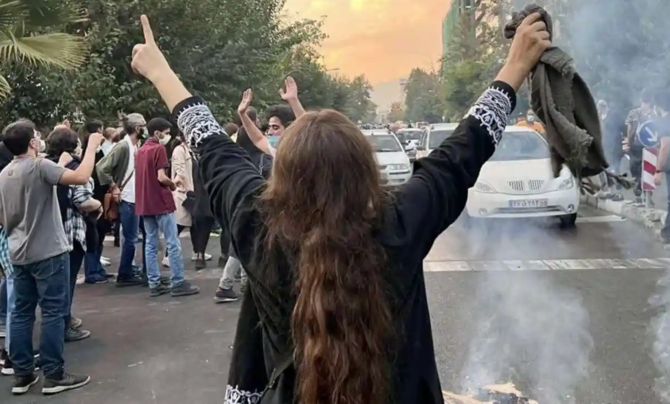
(29, 36)
(219, 48)
(422, 97)
(397, 112)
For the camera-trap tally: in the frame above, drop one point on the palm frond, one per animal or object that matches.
(11, 13)
(51, 13)
(5, 88)
(57, 49)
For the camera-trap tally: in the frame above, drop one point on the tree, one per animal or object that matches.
(397, 112)
(359, 106)
(23, 39)
(422, 98)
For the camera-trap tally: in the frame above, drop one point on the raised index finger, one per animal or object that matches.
(146, 28)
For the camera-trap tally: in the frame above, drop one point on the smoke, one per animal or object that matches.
(529, 329)
(660, 335)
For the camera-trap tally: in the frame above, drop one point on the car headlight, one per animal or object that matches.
(567, 183)
(484, 187)
(398, 167)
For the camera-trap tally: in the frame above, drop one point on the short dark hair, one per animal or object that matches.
(93, 126)
(17, 136)
(230, 129)
(283, 112)
(251, 113)
(158, 125)
(61, 140)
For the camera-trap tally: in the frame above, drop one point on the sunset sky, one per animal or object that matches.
(384, 39)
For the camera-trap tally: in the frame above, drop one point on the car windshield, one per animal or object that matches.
(437, 137)
(516, 146)
(409, 135)
(384, 143)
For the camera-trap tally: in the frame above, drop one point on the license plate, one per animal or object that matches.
(529, 203)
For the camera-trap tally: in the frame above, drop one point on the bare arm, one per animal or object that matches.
(82, 174)
(290, 95)
(165, 180)
(257, 138)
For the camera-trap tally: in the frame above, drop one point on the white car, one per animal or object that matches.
(518, 182)
(394, 165)
(433, 136)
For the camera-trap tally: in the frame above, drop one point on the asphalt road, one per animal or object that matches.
(562, 313)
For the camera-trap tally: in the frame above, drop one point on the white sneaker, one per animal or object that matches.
(208, 257)
(105, 261)
(166, 262)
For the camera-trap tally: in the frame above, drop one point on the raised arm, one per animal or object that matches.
(436, 194)
(229, 176)
(290, 94)
(255, 135)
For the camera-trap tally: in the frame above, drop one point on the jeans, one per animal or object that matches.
(129, 228)
(76, 259)
(47, 283)
(228, 277)
(3, 301)
(92, 267)
(10, 303)
(165, 224)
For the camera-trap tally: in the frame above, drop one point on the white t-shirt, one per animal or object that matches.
(128, 192)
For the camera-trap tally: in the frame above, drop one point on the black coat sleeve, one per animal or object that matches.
(231, 180)
(435, 195)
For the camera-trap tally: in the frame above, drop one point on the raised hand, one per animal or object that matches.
(247, 97)
(148, 60)
(291, 90)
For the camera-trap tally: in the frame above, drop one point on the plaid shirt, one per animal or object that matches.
(6, 265)
(74, 225)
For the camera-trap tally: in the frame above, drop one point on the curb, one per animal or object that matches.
(649, 217)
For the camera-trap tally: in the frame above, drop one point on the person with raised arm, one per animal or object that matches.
(336, 309)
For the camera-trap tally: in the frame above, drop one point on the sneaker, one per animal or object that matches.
(164, 281)
(208, 257)
(64, 383)
(185, 289)
(72, 335)
(166, 262)
(134, 281)
(75, 322)
(105, 262)
(23, 383)
(200, 264)
(225, 296)
(159, 290)
(96, 281)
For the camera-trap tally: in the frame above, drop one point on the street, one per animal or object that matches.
(566, 309)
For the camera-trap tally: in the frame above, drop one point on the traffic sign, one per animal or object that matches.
(647, 134)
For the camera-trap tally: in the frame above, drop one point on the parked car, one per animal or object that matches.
(394, 165)
(518, 182)
(433, 136)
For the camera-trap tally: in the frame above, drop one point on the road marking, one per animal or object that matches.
(600, 219)
(214, 272)
(546, 265)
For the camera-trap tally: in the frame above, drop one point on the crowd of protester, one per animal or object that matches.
(140, 178)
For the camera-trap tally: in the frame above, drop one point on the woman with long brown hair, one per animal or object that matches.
(336, 309)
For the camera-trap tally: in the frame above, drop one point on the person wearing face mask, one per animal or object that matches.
(79, 212)
(532, 122)
(117, 170)
(156, 205)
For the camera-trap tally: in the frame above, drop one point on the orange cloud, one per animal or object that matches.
(384, 39)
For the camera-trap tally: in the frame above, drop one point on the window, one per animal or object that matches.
(438, 136)
(516, 146)
(384, 143)
(406, 135)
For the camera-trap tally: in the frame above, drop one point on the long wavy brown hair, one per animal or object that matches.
(325, 199)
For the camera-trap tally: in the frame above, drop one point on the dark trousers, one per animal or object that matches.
(45, 283)
(92, 266)
(76, 259)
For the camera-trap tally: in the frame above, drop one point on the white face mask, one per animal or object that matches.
(165, 140)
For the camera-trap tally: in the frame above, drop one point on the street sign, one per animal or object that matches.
(647, 134)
